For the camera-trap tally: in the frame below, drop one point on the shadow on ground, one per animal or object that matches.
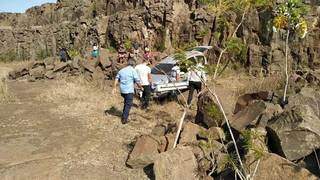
(113, 111)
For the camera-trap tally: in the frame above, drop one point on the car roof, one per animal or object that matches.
(172, 60)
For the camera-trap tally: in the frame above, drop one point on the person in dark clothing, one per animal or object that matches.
(63, 55)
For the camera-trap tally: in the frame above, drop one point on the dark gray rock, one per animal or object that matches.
(295, 133)
(247, 116)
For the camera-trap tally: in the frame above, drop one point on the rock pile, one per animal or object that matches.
(50, 68)
(268, 137)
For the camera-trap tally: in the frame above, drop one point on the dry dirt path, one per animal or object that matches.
(58, 130)
(52, 140)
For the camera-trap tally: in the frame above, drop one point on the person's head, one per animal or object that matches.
(131, 62)
(146, 49)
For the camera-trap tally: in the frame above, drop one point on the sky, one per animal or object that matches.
(19, 6)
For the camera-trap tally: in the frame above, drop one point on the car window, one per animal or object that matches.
(162, 68)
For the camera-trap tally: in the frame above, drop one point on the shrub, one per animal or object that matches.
(73, 53)
(42, 54)
(127, 44)
(9, 56)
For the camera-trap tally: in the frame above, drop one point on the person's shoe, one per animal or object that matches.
(123, 121)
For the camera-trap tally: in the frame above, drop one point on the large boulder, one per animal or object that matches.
(176, 164)
(38, 72)
(274, 167)
(105, 62)
(246, 116)
(213, 133)
(208, 112)
(246, 99)
(295, 133)
(144, 152)
(189, 133)
(89, 65)
(60, 66)
(19, 72)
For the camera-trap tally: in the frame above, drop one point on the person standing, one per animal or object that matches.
(147, 55)
(127, 77)
(195, 77)
(63, 55)
(95, 51)
(144, 72)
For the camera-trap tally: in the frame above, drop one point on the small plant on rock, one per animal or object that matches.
(73, 53)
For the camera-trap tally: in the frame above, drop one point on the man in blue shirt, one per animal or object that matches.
(127, 77)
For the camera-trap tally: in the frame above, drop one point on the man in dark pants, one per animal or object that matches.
(144, 73)
(195, 77)
(127, 77)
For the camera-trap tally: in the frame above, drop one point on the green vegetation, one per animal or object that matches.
(127, 44)
(250, 139)
(111, 49)
(183, 62)
(236, 47)
(73, 53)
(203, 32)
(8, 56)
(214, 112)
(230, 161)
(42, 54)
(289, 16)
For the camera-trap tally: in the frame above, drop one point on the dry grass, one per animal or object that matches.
(4, 94)
(236, 84)
(75, 95)
(270, 83)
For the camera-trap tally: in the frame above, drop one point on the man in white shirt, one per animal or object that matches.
(144, 72)
(195, 77)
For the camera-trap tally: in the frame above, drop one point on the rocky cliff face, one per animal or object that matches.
(161, 24)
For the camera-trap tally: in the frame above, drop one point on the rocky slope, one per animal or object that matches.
(161, 24)
(284, 135)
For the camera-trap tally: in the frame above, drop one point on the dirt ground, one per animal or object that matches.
(70, 129)
(59, 130)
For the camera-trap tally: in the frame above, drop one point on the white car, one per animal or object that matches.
(162, 82)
